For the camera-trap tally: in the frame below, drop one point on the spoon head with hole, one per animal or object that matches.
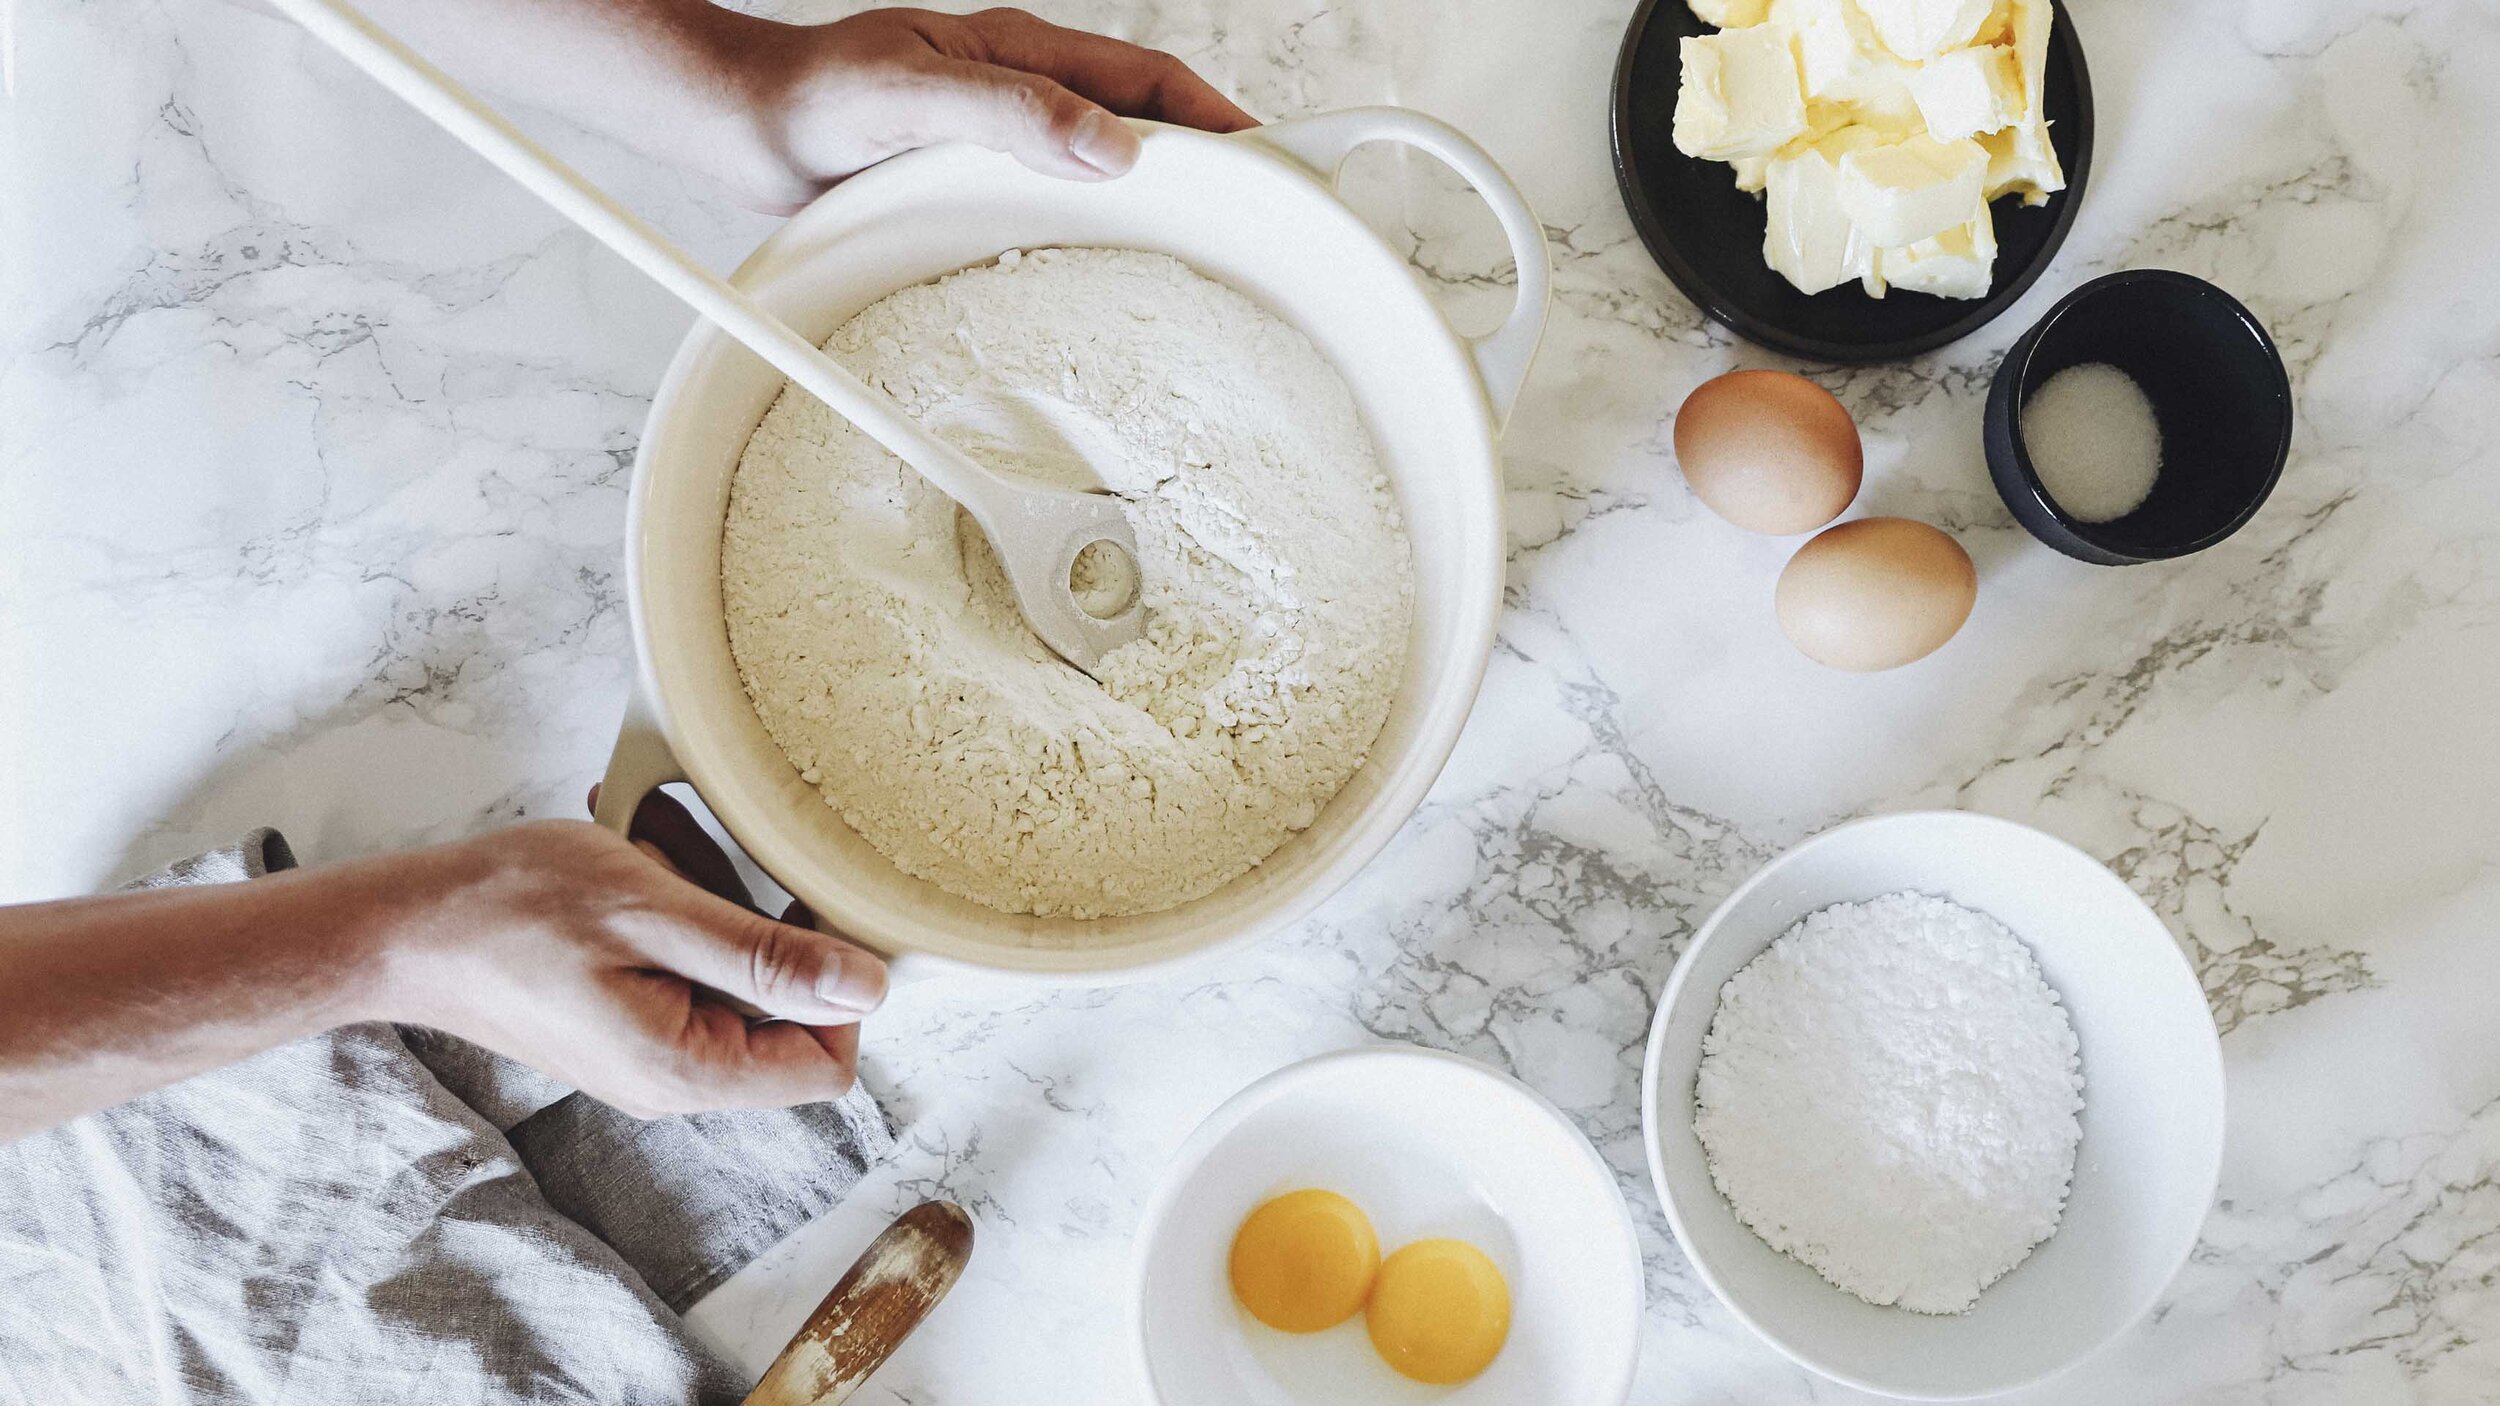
(1072, 559)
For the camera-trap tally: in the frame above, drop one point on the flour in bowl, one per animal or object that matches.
(878, 639)
(1890, 1092)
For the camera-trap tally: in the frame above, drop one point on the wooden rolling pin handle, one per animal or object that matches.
(897, 1280)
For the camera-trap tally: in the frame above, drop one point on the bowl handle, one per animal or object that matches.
(643, 762)
(1323, 142)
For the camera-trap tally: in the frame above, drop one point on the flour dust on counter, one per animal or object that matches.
(879, 641)
(1918, 1140)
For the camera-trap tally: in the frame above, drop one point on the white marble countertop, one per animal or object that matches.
(314, 438)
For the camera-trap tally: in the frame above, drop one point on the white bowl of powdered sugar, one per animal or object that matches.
(1934, 1104)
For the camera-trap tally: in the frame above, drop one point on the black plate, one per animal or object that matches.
(1707, 234)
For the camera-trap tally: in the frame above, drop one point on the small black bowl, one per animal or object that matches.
(1707, 235)
(2218, 389)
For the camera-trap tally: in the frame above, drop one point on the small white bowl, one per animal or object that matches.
(2152, 1116)
(1428, 1144)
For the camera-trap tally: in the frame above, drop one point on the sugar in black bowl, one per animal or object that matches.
(2215, 388)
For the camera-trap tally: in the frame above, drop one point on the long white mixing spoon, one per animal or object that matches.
(1037, 530)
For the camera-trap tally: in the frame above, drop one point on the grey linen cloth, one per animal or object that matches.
(384, 1214)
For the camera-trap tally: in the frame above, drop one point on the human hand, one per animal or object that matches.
(828, 100)
(602, 962)
(778, 112)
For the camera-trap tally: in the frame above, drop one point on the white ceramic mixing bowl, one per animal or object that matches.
(2152, 1112)
(1258, 211)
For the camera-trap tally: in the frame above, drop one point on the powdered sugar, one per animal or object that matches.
(1890, 1092)
(883, 651)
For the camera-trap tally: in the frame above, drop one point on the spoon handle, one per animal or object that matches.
(483, 130)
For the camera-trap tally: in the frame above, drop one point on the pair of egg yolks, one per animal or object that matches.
(1437, 1310)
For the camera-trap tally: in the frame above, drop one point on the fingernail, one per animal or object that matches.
(1104, 142)
(851, 979)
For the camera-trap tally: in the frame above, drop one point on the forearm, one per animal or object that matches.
(115, 995)
(684, 80)
(779, 112)
(556, 942)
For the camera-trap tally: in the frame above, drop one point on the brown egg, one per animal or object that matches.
(1875, 594)
(1768, 451)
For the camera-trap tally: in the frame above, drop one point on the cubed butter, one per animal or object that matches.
(2022, 162)
(1959, 263)
(1859, 136)
(1998, 28)
(1731, 14)
(1841, 64)
(1876, 131)
(1912, 189)
(1740, 95)
(1919, 30)
(1826, 34)
(1968, 92)
(1877, 92)
(1806, 236)
(2030, 20)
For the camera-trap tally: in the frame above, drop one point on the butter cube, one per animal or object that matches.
(1919, 30)
(1841, 63)
(2020, 158)
(1959, 263)
(1829, 38)
(1998, 28)
(1730, 14)
(1878, 92)
(1912, 189)
(2031, 20)
(1806, 236)
(1860, 136)
(1968, 92)
(2021, 162)
(1740, 95)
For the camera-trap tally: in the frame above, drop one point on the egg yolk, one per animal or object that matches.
(1304, 1261)
(1439, 1311)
